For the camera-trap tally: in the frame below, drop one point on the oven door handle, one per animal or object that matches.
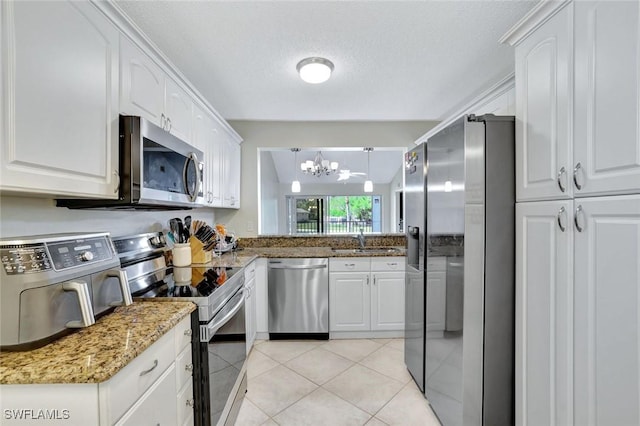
(215, 325)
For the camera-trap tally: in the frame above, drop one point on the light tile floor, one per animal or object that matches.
(335, 382)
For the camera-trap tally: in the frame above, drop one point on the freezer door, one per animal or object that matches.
(415, 170)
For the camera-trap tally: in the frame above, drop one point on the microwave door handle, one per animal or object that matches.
(192, 157)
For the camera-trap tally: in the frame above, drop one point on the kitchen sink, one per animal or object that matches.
(369, 250)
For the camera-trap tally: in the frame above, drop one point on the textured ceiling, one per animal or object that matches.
(394, 60)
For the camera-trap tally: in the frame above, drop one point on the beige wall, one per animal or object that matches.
(274, 134)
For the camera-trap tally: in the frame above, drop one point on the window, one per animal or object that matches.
(335, 214)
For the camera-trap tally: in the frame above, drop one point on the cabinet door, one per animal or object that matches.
(142, 84)
(158, 406)
(543, 105)
(231, 173)
(436, 300)
(178, 109)
(607, 294)
(217, 165)
(250, 314)
(607, 94)
(387, 301)
(59, 97)
(544, 313)
(349, 301)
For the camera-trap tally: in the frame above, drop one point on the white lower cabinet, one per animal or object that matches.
(250, 304)
(544, 313)
(577, 309)
(149, 410)
(366, 294)
(155, 388)
(261, 299)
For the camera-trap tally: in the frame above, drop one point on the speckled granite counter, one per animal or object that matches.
(96, 353)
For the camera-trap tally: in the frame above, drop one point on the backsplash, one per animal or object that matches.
(335, 241)
(22, 216)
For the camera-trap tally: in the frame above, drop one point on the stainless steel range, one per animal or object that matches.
(53, 284)
(219, 354)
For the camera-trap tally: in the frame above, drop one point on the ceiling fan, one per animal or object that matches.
(345, 174)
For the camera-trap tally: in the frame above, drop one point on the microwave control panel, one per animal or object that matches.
(24, 259)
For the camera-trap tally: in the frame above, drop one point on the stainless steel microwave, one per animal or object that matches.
(158, 171)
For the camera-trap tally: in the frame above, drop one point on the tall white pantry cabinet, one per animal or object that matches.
(578, 213)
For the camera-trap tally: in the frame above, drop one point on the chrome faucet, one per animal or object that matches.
(360, 238)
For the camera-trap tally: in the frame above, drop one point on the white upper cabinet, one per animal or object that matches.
(178, 107)
(147, 91)
(607, 98)
(231, 173)
(142, 84)
(59, 95)
(543, 107)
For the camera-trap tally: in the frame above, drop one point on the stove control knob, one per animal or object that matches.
(154, 241)
(87, 256)
(20, 269)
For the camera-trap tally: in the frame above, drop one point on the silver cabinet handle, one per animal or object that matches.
(560, 213)
(562, 172)
(188, 332)
(81, 289)
(575, 219)
(117, 188)
(169, 124)
(121, 275)
(155, 364)
(575, 175)
(163, 121)
(188, 367)
(374, 280)
(350, 265)
(190, 402)
(367, 279)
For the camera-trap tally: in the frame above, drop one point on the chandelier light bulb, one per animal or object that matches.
(315, 70)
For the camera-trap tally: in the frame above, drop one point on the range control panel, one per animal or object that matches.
(59, 255)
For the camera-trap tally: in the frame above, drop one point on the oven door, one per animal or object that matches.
(225, 356)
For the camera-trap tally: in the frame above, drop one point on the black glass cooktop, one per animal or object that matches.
(190, 281)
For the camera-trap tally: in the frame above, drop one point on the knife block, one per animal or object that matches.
(198, 254)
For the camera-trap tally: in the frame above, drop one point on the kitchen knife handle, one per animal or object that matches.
(121, 275)
(81, 289)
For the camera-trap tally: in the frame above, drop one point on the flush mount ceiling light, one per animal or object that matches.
(315, 70)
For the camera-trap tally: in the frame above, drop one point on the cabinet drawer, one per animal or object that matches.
(183, 334)
(156, 406)
(184, 367)
(185, 404)
(123, 389)
(383, 264)
(349, 264)
(436, 264)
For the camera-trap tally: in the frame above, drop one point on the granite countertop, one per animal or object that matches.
(95, 354)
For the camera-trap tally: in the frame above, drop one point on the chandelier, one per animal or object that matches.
(319, 166)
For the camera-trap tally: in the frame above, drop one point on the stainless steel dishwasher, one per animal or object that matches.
(298, 298)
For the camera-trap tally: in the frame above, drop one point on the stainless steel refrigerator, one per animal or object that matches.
(459, 285)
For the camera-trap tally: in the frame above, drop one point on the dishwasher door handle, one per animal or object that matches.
(271, 266)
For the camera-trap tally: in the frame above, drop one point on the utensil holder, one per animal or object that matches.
(198, 254)
(181, 254)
